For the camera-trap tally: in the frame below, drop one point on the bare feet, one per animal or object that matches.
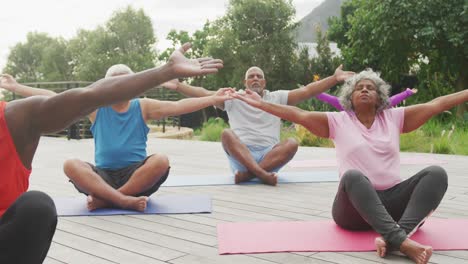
(415, 251)
(135, 203)
(128, 202)
(242, 176)
(271, 178)
(381, 246)
(94, 203)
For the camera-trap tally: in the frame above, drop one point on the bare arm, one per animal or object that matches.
(189, 90)
(315, 122)
(27, 119)
(59, 111)
(417, 115)
(9, 83)
(154, 109)
(312, 89)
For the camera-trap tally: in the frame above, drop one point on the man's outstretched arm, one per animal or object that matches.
(49, 114)
(154, 109)
(27, 119)
(314, 88)
(57, 112)
(9, 83)
(189, 90)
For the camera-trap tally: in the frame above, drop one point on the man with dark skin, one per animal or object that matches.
(252, 143)
(28, 219)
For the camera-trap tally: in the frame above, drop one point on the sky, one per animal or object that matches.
(64, 18)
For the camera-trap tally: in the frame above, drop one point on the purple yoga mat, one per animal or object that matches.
(164, 204)
(258, 237)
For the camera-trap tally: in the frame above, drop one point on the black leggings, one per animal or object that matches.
(27, 228)
(394, 213)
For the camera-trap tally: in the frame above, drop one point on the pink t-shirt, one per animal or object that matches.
(374, 151)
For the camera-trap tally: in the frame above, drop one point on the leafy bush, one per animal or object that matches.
(305, 138)
(212, 129)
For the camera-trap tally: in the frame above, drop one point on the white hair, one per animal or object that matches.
(118, 69)
(381, 86)
(253, 68)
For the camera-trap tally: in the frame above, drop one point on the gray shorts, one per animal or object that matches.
(117, 178)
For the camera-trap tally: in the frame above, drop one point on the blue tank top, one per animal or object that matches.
(119, 138)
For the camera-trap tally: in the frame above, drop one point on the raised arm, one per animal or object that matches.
(48, 114)
(154, 109)
(315, 122)
(417, 115)
(312, 89)
(399, 97)
(8, 82)
(331, 100)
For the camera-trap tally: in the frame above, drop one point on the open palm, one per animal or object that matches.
(342, 75)
(250, 97)
(7, 82)
(185, 67)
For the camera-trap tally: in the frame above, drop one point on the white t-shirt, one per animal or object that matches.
(253, 126)
(374, 151)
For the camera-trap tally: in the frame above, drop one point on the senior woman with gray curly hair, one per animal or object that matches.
(371, 193)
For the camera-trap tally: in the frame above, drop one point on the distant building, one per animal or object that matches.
(312, 47)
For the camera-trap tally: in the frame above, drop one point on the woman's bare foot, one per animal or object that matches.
(242, 176)
(381, 246)
(128, 202)
(415, 251)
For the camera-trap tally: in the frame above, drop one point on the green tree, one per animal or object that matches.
(398, 37)
(325, 63)
(128, 38)
(40, 58)
(198, 39)
(303, 67)
(254, 32)
(177, 38)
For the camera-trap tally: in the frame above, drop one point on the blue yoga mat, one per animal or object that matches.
(284, 177)
(164, 204)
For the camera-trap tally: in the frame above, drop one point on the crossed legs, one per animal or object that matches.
(277, 157)
(131, 195)
(394, 213)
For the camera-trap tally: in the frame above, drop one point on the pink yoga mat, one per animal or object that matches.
(240, 238)
(319, 163)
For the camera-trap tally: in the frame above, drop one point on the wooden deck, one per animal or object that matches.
(191, 238)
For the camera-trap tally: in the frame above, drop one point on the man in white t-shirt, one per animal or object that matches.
(252, 143)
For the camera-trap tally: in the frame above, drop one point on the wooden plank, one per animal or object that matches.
(228, 259)
(341, 258)
(100, 249)
(65, 254)
(192, 238)
(291, 258)
(128, 227)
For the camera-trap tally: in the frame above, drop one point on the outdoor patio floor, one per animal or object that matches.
(191, 238)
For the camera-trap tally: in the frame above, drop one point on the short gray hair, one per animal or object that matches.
(118, 69)
(382, 88)
(254, 68)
